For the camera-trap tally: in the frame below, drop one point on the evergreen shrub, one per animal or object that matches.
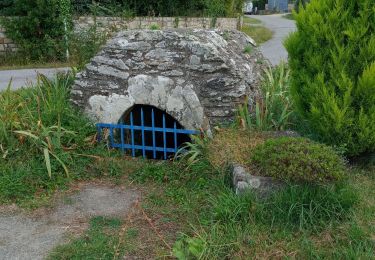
(332, 61)
(298, 160)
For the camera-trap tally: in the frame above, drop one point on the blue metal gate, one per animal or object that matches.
(131, 145)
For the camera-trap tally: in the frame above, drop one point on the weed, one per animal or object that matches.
(248, 49)
(154, 27)
(176, 22)
(192, 152)
(274, 111)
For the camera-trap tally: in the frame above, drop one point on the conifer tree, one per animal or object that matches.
(332, 58)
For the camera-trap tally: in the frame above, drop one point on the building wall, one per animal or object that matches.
(278, 5)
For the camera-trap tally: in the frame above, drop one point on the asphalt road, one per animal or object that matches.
(21, 78)
(274, 49)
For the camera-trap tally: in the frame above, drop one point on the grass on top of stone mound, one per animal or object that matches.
(233, 145)
(298, 160)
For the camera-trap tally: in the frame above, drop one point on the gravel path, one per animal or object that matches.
(33, 235)
(274, 49)
(21, 78)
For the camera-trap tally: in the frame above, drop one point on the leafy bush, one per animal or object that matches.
(332, 60)
(298, 160)
(84, 45)
(39, 27)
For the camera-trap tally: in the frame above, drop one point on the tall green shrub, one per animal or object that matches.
(332, 58)
(39, 27)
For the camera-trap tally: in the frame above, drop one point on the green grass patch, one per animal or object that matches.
(260, 34)
(289, 16)
(99, 242)
(250, 20)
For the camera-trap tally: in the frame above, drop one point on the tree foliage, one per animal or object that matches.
(39, 27)
(163, 7)
(332, 58)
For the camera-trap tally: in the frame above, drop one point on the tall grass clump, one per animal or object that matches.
(308, 207)
(332, 61)
(274, 109)
(41, 137)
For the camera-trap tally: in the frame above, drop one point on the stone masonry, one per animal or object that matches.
(197, 76)
(110, 24)
(6, 44)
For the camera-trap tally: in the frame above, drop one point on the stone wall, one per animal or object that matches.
(6, 44)
(117, 23)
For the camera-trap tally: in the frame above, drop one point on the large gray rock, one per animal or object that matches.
(244, 182)
(197, 76)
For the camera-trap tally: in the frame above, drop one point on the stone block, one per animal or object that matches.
(7, 40)
(244, 182)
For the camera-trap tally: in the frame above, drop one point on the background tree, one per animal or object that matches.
(39, 27)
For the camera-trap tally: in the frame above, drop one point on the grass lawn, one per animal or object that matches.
(35, 66)
(17, 62)
(187, 210)
(195, 207)
(250, 20)
(259, 33)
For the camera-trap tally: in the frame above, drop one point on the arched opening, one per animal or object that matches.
(151, 117)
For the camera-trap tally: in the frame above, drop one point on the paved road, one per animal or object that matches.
(274, 49)
(22, 78)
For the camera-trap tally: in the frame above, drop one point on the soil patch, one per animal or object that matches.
(33, 235)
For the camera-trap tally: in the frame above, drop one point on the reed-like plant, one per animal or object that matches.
(274, 109)
(38, 119)
(192, 152)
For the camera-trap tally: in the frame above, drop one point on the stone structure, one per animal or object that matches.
(6, 44)
(110, 24)
(244, 182)
(199, 77)
(118, 23)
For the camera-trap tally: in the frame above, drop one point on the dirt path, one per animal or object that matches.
(33, 236)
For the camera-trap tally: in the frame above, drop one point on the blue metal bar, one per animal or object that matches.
(143, 134)
(175, 136)
(111, 136)
(140, 147)
(99, 129)
(156, 129)
(153, 133)
(164, 138)
(122, 138)
(132, 133)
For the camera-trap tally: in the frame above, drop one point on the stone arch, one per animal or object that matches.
(182, 103)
